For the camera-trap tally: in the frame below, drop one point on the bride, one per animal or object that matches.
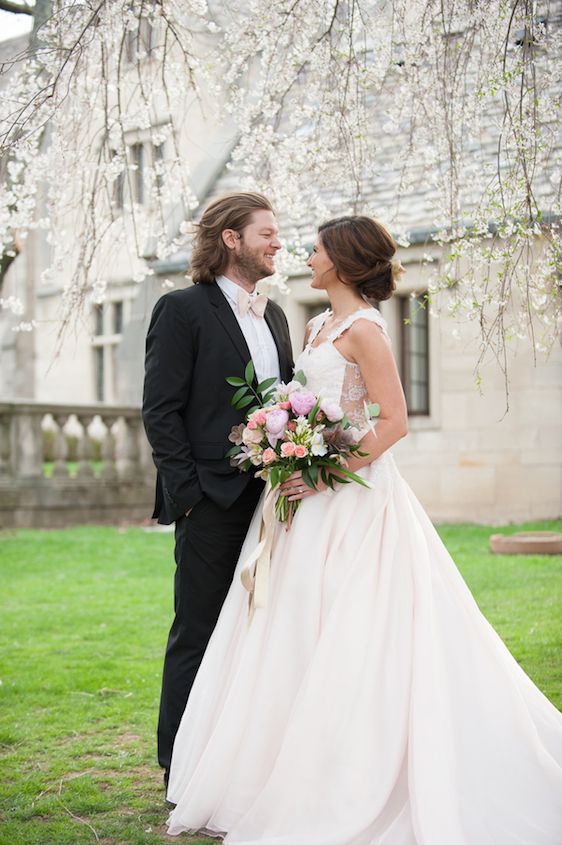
(370, 702)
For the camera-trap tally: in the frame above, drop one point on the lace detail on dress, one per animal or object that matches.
(316, 326)
(331, 376)
(367, 313)
(354, 398)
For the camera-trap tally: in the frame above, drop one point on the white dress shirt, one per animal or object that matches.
(256, 333)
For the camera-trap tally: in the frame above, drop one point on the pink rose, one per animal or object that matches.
(276, 421)
(291, 425)
(268, 456)
(285, 405)
(331, 409)
(259, 417)
(288, 449)
(302, 402)
(301, 451)
(252, 425)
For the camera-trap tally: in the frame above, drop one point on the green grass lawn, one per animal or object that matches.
(84, 618)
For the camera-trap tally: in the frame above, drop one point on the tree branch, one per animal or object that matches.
(16, 8)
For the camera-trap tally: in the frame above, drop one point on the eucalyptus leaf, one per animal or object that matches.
(249, 372)
(244, 402)
(266, 383)
(239, 394)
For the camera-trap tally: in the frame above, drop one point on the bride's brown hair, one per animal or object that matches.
(232, 211)
(361, 250)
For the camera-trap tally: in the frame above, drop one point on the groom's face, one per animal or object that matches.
(255, 249)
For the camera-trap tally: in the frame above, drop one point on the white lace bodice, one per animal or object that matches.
(330, 375)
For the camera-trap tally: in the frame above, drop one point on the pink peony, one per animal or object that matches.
(331, 409)
(302, 402)
(268, 456)
(276, 421)
(288, 449)
(301, 451)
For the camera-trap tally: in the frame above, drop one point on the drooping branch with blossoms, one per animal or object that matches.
(439, 118)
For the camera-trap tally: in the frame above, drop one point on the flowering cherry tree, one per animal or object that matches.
(433, 116)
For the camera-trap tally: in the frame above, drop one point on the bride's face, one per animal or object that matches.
(323, 271)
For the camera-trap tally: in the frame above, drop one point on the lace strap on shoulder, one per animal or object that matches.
(369, 313)
(316, 325)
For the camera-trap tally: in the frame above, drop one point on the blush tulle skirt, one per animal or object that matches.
(370, 702)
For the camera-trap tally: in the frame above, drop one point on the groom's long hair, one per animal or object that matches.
(210, 253)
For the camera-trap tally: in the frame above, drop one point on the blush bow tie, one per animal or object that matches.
(255, 302)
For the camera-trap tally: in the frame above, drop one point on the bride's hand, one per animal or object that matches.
(296, 488)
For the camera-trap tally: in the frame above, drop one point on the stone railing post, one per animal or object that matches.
(5, 468)
(85, 468)
(60, 447)
(108, 471)
(128, 463)
(29, 444)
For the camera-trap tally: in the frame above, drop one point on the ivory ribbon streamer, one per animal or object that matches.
(255, 571)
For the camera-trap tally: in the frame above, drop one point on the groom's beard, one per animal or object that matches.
(251, 264)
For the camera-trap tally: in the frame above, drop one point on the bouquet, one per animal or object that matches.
(288, 428)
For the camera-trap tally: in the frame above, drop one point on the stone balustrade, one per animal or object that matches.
(72, 464)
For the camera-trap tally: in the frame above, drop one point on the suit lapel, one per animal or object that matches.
(227, 318)
(275, 329)
(278, 330)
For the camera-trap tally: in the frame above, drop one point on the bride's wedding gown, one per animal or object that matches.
(370, 702)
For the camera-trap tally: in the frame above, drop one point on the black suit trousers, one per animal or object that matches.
(208, 544)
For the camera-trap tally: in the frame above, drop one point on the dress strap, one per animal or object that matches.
(368, 313)
(316, 325)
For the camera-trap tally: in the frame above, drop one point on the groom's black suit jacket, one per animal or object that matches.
(194, 342)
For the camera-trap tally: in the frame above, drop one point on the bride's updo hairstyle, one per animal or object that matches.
(362, 251)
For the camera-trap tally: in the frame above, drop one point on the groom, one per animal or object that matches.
(198, 337)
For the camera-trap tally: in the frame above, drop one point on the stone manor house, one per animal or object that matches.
(465, 457)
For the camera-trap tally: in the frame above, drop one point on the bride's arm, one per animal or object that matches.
(369, 348)
(366, 346)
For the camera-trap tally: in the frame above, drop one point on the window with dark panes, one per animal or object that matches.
(99, 375)
(414, 325)
(98, 320)
(117, 318)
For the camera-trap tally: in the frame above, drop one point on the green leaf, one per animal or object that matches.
(374, 409)
(266, 383)
(243, 403)
(300, 377)
(239, 394)
(313, 414)
(232, 451)
(267, 396)
(249, 372)
(312, 473)
(235, 381)
(274, 476)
